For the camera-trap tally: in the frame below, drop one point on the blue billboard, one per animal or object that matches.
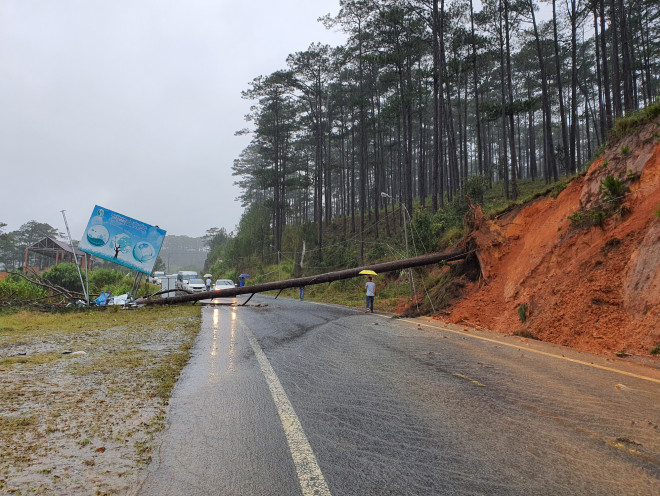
(123, 240)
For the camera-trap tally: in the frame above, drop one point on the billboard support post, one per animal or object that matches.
(136, 285)
(82, 283)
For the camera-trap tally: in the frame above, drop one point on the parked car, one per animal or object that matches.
(223, 284)
(196, 286)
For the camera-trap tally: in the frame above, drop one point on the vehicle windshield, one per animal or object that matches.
(223, 282)
(196, 281)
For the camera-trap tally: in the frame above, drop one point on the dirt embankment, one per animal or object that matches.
(592, 288)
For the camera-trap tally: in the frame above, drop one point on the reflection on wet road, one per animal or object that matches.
(292, 398)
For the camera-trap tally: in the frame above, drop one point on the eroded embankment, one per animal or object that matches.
(593, 288)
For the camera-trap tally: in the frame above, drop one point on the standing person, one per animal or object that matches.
(241, 282)
(208, 284)
(301, 291)
(370, 286)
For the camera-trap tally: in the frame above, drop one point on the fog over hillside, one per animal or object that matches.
(183, 252)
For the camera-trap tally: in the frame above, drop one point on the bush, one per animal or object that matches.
(613, 189)
(17, 288)
(587, 219)
(64, 275)
(102, 279)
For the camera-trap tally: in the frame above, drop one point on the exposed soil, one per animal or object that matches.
(592, 288)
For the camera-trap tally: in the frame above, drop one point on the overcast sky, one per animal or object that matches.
(133, 104)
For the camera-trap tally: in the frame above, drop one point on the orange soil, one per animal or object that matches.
(595, 289)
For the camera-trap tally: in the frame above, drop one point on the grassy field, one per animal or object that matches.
(84, 393)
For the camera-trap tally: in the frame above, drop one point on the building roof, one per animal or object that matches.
(49, 247)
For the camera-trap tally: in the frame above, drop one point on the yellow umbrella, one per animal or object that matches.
(367, 273)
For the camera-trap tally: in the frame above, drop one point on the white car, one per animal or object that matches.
(196, 286)
(223, 284)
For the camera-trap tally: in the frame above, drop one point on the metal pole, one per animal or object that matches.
(404, 211)
(75, 258)
(87, 278)
(405, 233)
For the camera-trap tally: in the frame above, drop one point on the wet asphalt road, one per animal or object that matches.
(291, 398)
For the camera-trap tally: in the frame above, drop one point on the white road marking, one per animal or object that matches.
(310, 477)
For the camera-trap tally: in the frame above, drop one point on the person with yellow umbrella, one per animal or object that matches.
(370, 288)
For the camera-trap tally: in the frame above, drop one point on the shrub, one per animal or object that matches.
(625, 150)
(613, 188)
(17, 288)
(522, 312)
(656, 349)
(64, 275)
(102, 279)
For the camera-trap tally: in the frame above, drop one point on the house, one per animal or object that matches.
(49, 252)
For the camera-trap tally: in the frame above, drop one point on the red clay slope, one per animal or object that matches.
(595, 289)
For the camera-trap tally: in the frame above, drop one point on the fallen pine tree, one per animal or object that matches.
(407, 263)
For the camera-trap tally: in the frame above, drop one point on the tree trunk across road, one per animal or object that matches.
(428, 259)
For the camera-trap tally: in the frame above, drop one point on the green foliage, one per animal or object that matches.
(16, 288)
(422, 231)
(102, 279)
(557, 188)
(475, 187)
(625, 150)
(626, 126)
(657, 212)
(159, 265)
(656, 349)
(450, 237)
(341, 255)
(588, 218)
(613, 191)
(64, 275)
(613, 188)
(522, 312)
(377, 252)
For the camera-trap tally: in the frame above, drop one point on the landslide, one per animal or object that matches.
(594, 288)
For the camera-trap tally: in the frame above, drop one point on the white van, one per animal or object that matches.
(182, 278)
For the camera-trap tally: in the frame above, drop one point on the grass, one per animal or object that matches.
(9, 363)
(628, 125)
(113, 395)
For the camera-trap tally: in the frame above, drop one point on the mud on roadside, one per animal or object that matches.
(83, 395)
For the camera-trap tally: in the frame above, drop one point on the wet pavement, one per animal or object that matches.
(284, 397)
